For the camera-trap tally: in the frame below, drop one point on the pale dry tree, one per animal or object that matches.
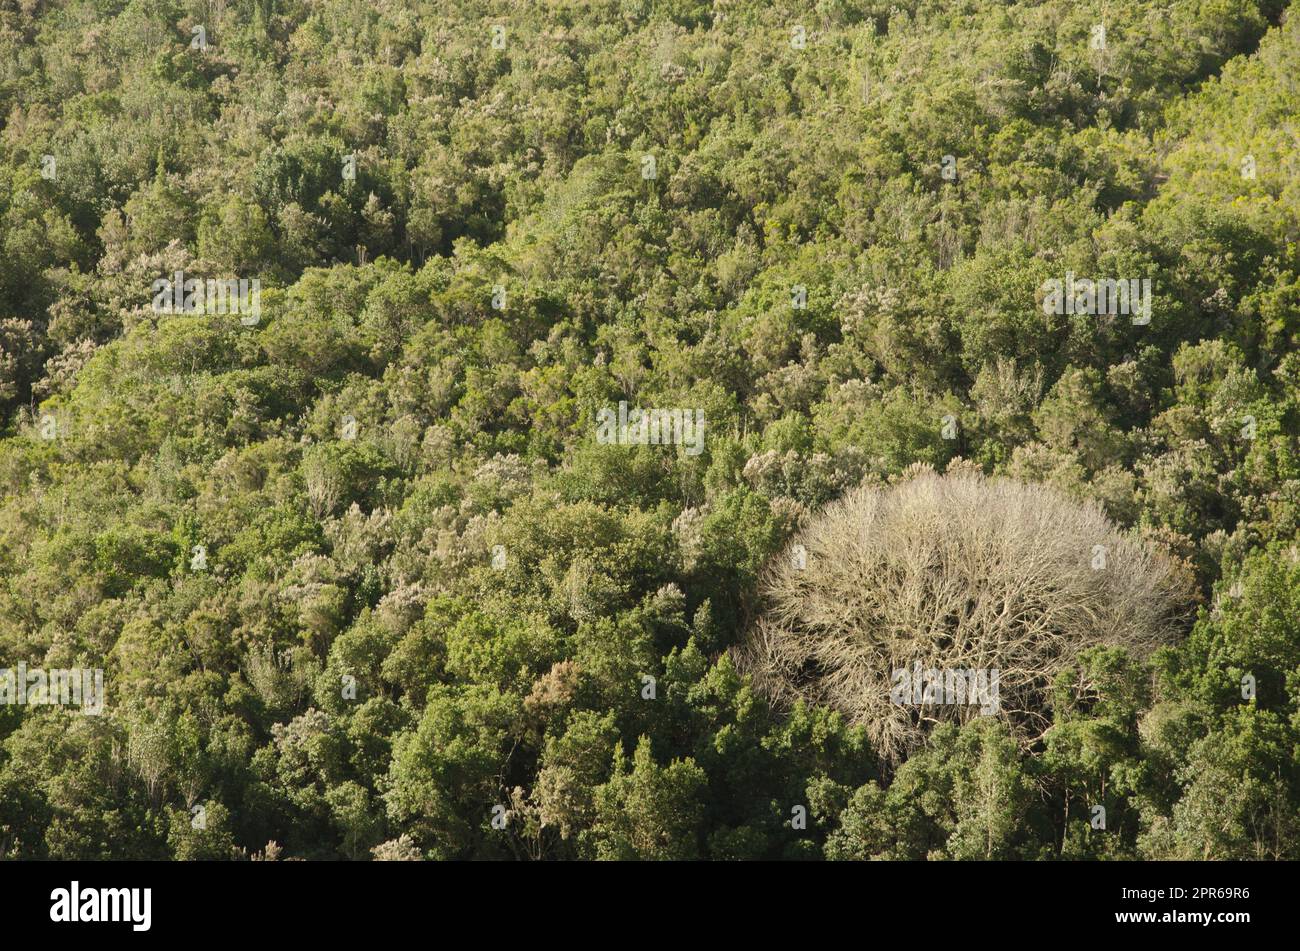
(952, 573)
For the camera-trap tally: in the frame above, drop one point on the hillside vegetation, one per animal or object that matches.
(363, 580)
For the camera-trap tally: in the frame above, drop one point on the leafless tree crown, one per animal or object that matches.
(954, 572)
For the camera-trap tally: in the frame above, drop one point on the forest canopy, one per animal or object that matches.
(531, 337)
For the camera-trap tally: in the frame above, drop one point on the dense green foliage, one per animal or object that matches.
(519, 691)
